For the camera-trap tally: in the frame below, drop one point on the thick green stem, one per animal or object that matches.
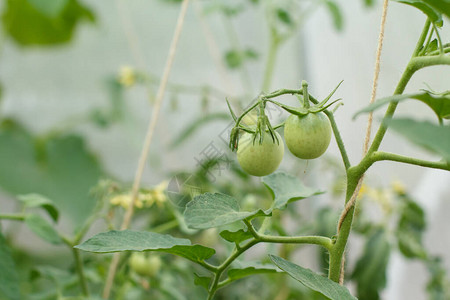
(354, 174)
(337, 251)
(423, 36)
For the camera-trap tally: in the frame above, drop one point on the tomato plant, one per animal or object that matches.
(193, 235)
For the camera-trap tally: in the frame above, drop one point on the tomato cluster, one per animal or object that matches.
(260, 149)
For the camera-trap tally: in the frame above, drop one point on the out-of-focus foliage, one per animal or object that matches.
(58, 167)
(40, 22)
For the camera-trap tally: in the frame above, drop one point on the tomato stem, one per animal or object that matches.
(306, 103)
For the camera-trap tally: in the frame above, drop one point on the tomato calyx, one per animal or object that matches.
(306, 107)
(258, 131)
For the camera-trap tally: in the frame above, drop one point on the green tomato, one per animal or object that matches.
(259, 159)
(307, 137)
(145, 266)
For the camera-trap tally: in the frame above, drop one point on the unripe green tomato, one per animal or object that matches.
(145, 266)
(153, 265)
(307, 137)
(138, 263)
(259, 159)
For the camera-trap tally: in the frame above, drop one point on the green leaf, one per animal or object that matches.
(36, 200)
(9, 279)
(42, 228)
(437, 285)
(236, 236)
(128, 240)
(250, 54)
(196, 125)
(369, 3)
(283, 16)
(312, 280)
(286, 188)
(429, 10)
(440, 104)
(60, 168)
(410, 228)
(336, 14)
(370, 269)
(29, 22)
(202, 281)
(432, 46)
(442, 6)
(432, 137)
(233, 59)
(214, 210)
(244, 269)
(50, 9)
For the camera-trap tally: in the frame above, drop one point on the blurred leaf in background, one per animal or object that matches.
(9, 279)
(370, 269)
(60, 168)
(40, 22)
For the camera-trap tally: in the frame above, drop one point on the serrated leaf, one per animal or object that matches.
(36, 200)
(427, 9)
(314, 281)
(440, 104)
(336, 14)
(129, 240)
(432, 137)
(236, 236)
(9, 279)
(213, 210)
(249, 268)
(286, 188)
(42, 228)
(370, 269)
(202, 281)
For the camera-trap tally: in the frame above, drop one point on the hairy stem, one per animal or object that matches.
(380, 156)
(80, 271)
(354, 174)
